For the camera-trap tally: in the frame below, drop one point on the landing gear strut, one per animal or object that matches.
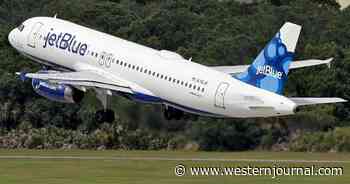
(106, 114)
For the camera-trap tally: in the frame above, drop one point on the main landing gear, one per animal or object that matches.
(171, 113)
(106, 114)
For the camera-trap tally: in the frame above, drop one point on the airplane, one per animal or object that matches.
(77, 59)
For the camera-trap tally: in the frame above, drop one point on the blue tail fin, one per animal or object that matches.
(270, 69)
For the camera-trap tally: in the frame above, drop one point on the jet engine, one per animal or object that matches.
(57, 92)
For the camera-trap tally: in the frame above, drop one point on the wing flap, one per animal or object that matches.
(84, 78)
(314, 101)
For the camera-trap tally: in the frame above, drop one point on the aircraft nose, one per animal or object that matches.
(11, 38)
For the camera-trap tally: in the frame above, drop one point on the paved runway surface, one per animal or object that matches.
(166, 159)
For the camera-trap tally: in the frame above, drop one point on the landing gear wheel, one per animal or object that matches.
(178, 115)
(99, 116)
(109, 116)
(104, 116)
(171, 113)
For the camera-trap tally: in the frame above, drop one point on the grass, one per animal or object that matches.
(74, 171)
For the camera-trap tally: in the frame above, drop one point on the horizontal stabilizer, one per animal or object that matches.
(314, 101)
(235, 70)
(310, 62)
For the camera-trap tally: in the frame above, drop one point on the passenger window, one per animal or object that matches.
(186, 84)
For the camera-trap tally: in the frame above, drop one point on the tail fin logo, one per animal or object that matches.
(276, 59)
(270, 69)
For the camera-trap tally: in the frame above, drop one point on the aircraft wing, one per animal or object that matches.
(314, 101)
(234, 70)
(84, 79)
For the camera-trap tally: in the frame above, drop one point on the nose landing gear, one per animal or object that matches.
(106, 114)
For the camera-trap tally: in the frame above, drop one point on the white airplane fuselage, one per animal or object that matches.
(197, 88)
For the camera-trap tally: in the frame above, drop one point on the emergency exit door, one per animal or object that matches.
(220, 95)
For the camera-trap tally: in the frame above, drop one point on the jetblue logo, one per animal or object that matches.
(65, 41)
(269, 71)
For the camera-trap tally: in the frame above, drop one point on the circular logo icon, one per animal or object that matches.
(180, 170)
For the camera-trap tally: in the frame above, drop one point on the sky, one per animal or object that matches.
(344, 3)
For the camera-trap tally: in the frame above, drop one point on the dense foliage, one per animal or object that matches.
(212, 32)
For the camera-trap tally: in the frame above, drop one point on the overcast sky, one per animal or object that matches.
(344, 3)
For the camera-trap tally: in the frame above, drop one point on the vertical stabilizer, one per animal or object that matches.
(270, 69)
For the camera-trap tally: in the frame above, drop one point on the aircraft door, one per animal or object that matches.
(220, 95)
(34, 35)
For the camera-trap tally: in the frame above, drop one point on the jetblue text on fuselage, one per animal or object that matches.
(65, 41)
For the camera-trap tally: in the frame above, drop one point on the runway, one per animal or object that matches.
(166, 159)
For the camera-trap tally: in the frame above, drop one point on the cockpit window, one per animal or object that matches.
(20, 27)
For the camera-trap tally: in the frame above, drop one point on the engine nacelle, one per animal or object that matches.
(57, 92)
